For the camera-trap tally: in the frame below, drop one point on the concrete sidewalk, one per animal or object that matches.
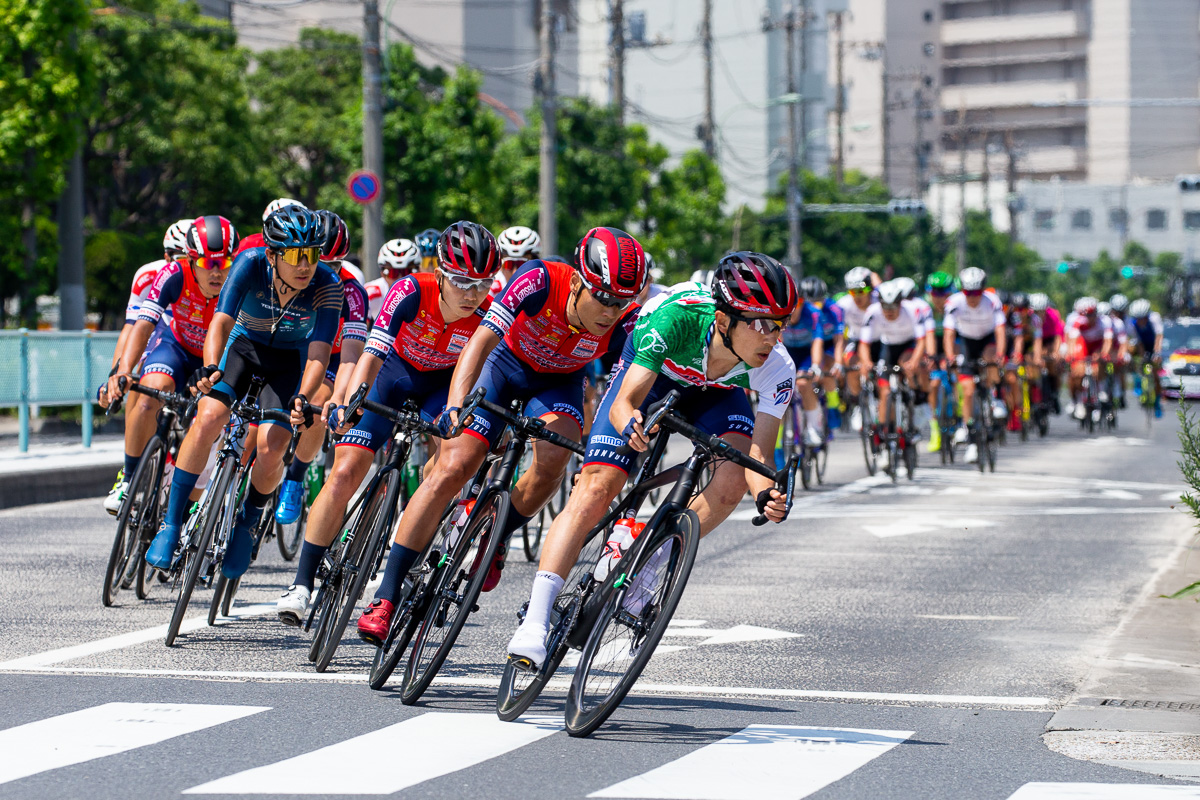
(49, 473)
(1140, 706)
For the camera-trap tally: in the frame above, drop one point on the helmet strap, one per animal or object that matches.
(727, 338)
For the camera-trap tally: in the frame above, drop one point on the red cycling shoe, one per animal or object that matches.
(374, 623)
(493, 577)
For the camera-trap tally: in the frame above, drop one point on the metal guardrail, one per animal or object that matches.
(53, 368)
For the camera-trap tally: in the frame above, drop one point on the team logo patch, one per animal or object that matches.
(457, 342)
(653, 341)
(783, 393)
(585, 348)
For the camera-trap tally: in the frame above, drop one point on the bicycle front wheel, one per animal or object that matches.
(631, 623)
(137, 512)
(196, 555)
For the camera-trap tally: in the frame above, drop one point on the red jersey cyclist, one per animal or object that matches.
(533, 345)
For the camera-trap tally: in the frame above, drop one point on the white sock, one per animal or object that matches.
(812, 419)
(546, 586)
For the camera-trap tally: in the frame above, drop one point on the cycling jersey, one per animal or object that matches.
(143, 280)
(674, 335)
(410, 323)
(923, 312)
(1023, 328)
(973, 323)
(906, 327)
(798, 337)
(175, 287)
(249, 243)
(352, 324)
(531, 317)
(376, 290)
(166, 356)
(1088, 337)
(498, 284)
(852, 315)
(1147, 330)
(1118, 327)
(1052, 325)
(832, 325)
(249, 297)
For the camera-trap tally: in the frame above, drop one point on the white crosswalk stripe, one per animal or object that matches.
(761, 762)
(104, 731)
(1104, 791)
(431, 745)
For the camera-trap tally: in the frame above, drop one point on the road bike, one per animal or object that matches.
(868, 405)
(984, 434)
(813, 460)
(898, 435)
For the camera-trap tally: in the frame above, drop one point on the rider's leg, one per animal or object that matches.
(351, 464)
(141, 418)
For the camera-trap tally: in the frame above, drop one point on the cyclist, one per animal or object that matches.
(833, 335)
(1024, 329)
(975, 317)
(256, 239)
(427, 244)
(397, 258)
(803, 338)
(517, 244)
(1146, 332)
(891, 333)
(1118, 305)
(710, 345)
(860, 285)
(188, 289)
(347, 347)
(910, 295)
(1052, 341)
(533, 345)
(276, 317)
(938, 288)
(1089, 337)
(426, 321)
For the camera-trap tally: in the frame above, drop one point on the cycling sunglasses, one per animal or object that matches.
(940, 292)
(860, 291)
(212, 262)
(467, 284)
(611, 300)
(761, 325)
(292, 255)
(973, 292)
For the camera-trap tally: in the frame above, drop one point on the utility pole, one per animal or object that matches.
(884, 121)
(919, 152)
(71, 304)
(1011, 175)
(707, 129)
(794, 197)
(986, 179)
(616, 50)
(547, 188)
(840, 102)
(372, 136)
(962, 189)
(802, 27)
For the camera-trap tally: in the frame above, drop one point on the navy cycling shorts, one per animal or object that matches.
(506, 378)
(281, 368)
(716, 411)
(397, 382)
(166, 356)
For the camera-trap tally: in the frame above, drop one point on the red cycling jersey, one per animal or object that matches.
(175, 287)
(253, 240)
(531, 317)
(411, 323)
(353, 321)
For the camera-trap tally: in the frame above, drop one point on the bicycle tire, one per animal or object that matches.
(289, 537)
(366, 551)
(198, 552)
(806, 467)
(981, 432)
(214, 606)
(488, 518)
(144, 578)
(865, 433)
(328, 591)
(682, 535)
(532, 534)
(127, 543)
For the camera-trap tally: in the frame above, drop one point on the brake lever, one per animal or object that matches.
(467, 411)
(789, 486)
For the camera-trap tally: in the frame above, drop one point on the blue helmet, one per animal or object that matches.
(427, 242)
(293, 226)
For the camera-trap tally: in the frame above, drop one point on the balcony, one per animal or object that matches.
(1013, 28)
(1009, 95)
(1059, 160)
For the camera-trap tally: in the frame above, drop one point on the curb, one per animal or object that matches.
(1082, 716)
(56, 485)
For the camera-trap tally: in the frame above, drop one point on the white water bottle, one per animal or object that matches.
(461, 514)
(624, 532)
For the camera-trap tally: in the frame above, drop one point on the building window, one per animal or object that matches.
(1043, 219)
(1156, 219)
(1191, 220)
(1118, 219)
(1081, 219)
(929, 16)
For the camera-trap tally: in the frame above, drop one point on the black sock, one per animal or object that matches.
(515, 521)
(296, 471)
(400, 561)
(306, 569)
(131, 465)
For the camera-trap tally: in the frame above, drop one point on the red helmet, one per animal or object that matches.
(335, 236)
(212, 241)
(611, 261)
(468, 250)
(752, 283)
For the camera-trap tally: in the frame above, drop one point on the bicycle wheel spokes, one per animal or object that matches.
(632, 622)
(138, 507)
(457, 588)
(201, 531)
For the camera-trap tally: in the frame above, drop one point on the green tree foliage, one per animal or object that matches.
(685, 228)
(1009, 265)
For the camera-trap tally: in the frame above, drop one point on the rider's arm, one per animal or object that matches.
(1001, 334)
(839, 349)
(762, 448)
(470, 364)
(352, 354)
(630, 395)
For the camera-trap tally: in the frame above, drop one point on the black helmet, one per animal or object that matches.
(753, 283)
(813, 288)
(293, 226)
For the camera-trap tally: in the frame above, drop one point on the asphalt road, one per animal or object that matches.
(886, 642)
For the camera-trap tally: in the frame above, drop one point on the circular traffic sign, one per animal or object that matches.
(363, 186)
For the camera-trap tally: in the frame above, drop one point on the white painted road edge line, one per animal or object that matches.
(891, 510)
(1035, 703)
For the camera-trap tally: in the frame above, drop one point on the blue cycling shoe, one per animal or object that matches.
(241, 547)
(291, 503)
(161, 553)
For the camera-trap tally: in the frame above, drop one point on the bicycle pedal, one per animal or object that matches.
(474, 607)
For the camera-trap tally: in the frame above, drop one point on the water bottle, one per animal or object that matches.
(461, 514)
(624, 532)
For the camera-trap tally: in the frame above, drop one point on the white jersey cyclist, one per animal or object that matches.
(143, 279)
(906, 328)
(1097, 331)
(973, 323)
(853, 316)
(923, 312)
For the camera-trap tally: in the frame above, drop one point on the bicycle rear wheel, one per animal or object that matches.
(621, 641)
(196, 557)
(289, 537)
(867, 433)
(137, 511)
(457, 589)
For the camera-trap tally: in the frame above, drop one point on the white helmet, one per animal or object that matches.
(908, 287)
(175, 240)
(972, 279)
(703, 277)
(1039, 302)
(278, 203)
(1085, 305)
(400, 255)
(890, 292)
(353, 270)
(1119, 303)
(1103, 309)
(519, 242)
(858, 278)
(1139, 308)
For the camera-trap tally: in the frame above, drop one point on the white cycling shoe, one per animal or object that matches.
(292, 605)
(529, 644)
(812, 437)
(960, 435)
(112, 503)
(972, 456)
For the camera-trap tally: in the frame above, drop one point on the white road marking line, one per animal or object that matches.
(687, 623)
(967, 617)
(891, 510)
(907, 527)
(749, 633)
(126, 639)
(761, 762)
(431, 745)
(104, 731)
(1104, 791)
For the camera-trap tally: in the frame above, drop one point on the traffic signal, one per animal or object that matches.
(1127, 272)
(1064, 267)
(907, 207)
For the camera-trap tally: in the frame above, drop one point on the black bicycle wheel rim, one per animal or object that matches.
(366, 551)
(289, 537)
(433, 641)
(197, 552)
(126, 544)
(220, 583)
(590, 703)
(519, 688)
(865, 435)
